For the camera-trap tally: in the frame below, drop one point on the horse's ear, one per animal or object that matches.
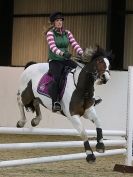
(97, 47)
(110, 56)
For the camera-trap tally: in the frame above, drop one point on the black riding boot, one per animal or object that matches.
(53, 91)
(56, 106)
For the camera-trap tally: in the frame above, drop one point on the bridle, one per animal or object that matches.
(95, 74)
(103, 70)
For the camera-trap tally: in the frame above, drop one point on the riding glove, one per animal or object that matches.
(67, 55)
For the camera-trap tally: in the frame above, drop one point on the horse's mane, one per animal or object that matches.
(91, 54)
(101, 52)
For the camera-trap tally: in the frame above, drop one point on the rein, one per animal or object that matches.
(76, 60)
(94, 74)
(90, 75)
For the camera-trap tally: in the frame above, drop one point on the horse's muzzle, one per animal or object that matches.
(105, 77)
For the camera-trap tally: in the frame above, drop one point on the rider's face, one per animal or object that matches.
(58, 23)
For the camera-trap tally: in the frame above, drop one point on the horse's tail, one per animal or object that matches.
(29, 63)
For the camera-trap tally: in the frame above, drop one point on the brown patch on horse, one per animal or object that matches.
(80, 103)
(82, 97)
(28, 97)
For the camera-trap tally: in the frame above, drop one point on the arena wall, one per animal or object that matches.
(112, 111)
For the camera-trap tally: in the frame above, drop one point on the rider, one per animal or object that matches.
(58, 41)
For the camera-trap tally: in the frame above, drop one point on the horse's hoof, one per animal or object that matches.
(100, 147)
(90, 158)
(20, 124)
(35, 122)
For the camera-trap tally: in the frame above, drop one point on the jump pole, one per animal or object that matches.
(62, 144)
(78, 156)
(51, 131)
(129, 131)
(130, 117)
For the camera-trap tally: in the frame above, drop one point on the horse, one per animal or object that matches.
(78, 98)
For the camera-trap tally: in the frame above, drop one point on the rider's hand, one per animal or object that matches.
(67, 55)
(80, 53)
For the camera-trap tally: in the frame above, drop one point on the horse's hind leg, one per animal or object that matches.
(90, 114)
(77, 124)
(22, 121)
(35, 121)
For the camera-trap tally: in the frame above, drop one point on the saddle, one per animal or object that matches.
(46, 81)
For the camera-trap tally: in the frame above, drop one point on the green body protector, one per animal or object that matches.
(62, 43)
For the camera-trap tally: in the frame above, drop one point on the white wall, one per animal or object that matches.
(112, 111)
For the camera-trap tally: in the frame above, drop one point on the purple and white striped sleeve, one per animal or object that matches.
(74, 43)
(51, 43)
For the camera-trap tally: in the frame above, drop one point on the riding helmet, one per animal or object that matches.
(56, 15)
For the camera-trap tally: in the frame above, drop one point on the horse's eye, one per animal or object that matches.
(100, 60)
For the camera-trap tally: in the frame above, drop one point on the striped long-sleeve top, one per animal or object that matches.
(58, 44)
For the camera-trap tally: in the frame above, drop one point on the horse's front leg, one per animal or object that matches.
(77, 124)
(90, 114)
(35, 121)
(22, 121)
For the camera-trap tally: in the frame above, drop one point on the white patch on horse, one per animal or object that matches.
(91, 114)
(107, 73)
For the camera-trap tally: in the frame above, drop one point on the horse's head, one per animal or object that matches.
(100, 58)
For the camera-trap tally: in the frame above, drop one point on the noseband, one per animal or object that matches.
(96, 74)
